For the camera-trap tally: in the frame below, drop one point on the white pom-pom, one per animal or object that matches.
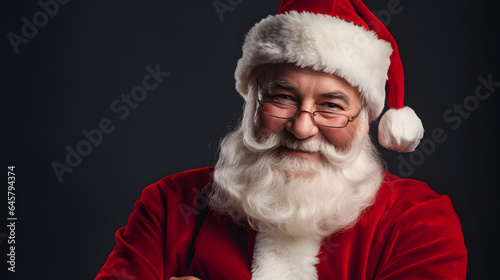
(400, 130)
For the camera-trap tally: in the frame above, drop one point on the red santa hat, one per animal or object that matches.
(341, 37)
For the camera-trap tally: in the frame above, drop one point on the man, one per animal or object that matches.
(299, 191)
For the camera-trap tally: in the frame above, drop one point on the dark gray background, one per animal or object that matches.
(65, 78)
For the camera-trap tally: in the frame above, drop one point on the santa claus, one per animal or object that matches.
(299, 190)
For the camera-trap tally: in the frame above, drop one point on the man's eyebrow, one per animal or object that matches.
(337, 94)
(281, 84)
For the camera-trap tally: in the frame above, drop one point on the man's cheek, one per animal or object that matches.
(270, 124)
(340, 139)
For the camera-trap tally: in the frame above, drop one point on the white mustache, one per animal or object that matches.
(310, 145)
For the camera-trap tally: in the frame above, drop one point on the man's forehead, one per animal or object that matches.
(279, 68)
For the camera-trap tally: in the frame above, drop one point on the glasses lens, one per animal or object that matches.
(279, 110)
(331, 119)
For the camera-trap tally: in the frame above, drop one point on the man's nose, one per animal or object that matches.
(303, 125)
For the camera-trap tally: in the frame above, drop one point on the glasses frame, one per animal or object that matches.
(297, 111)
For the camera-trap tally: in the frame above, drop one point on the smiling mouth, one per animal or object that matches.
(298, 153)
(298, 148)
(295, 150)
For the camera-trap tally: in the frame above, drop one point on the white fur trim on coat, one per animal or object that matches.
(325, 43)
(285, 258)
(400, 130)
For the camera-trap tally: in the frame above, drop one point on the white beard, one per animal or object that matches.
(292, 203)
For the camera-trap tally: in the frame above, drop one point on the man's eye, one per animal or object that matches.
(328, 106)
(281, 97)
(331, 105)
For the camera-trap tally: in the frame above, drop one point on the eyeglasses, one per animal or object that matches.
(323, 118)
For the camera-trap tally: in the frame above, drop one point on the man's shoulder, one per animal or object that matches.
(393, 185)
(183, 184)
(412, 217)
(197, 175)
(409, 209)
(399, 195)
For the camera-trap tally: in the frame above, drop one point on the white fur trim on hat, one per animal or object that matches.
(400, 130)
(325, 43)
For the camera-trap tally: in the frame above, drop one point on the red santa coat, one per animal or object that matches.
(410, 232)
